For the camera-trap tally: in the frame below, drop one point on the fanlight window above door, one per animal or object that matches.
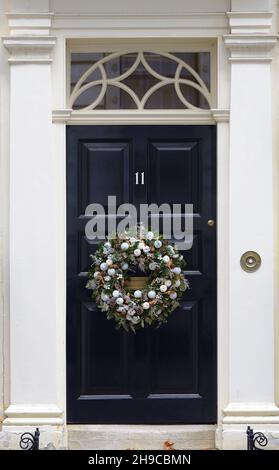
(140, 80)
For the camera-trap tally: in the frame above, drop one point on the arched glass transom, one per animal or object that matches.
(140, 80)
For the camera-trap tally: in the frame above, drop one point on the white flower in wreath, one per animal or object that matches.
(176, 270)
(135, 319)
(150, 235)
(137, 252)
(145, 305)
(152, 294)
(163, 288)
(141, 245)
(116, 294)
(124, 246)
(105, 297)
(157, 243)
(168, 283)
(119, 301)
(166, 259)
(133, 240)
(152, 266)
(107, 278)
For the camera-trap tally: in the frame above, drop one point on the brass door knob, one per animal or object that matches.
(211, 223)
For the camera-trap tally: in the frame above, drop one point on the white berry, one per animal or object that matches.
(177, 270)
(152, 294)
(124, 246)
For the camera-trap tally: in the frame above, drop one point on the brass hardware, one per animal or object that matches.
(250, 261)
(137, 282)
(211, 223)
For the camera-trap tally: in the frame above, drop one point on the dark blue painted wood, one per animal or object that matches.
(166, 375)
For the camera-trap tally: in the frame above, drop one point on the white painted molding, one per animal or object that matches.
(250, 413)
(33, 415)
(69, 116)
(247, 22)
(250, 48)
(220, 115)
(146, 22)
(30, 23)
(29, 49)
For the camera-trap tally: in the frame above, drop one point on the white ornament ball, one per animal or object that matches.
(177, 270)
(168, 283)
(119, 301)
(132, 240)
(124, 246)
(145, 305)
(173, 295)
(107, 244)
(146, 249)
(107, 278)
(111, 272)
(166, 258)
(152, 294)
(177, 283)
(157, 243)
(141, 245)
(104, 266)
(150, 235)
(116, 294)
(137, 252)
(137, 294)
(96, 274)
(109, 261)
(163, 288)
(152, 266)
(124, 266)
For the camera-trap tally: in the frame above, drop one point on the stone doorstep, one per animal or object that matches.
(141, 437)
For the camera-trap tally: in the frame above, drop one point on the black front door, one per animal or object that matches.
(166, 375)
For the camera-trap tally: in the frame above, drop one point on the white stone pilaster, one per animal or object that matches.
(251, 216)
(33, 290)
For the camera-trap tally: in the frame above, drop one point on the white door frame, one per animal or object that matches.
(37, 47)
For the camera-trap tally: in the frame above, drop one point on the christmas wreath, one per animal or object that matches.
(112, 265)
